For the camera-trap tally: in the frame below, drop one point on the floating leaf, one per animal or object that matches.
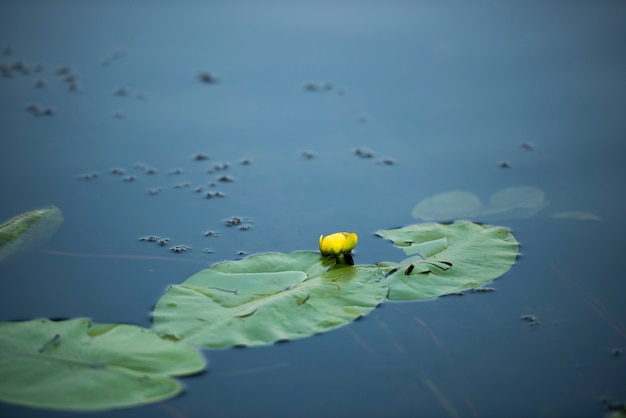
(524, 197)
(509, 203)
(267, 298)
(448, 258)
(29, 228)
(449, 205)
(581, 216)
(515, 202)
(79, 365)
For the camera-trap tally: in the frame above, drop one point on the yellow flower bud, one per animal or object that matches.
(338, 243)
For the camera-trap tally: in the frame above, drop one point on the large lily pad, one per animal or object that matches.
(267, 298)
(28, 229)
(447, 259)
(80, 365)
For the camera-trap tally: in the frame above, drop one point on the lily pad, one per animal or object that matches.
(29, 228)
(447, 259)
(449, 205)
(509, 203)
(267, 298)
(79, 365)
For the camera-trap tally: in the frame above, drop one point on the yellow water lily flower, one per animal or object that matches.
(338, 243)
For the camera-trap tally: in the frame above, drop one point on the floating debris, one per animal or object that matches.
(318, 87)
(308, 155)
(387, 161)
(39, 84)
(145, 168)
(616, 352)
(209, 194)
(179, 248)
(527, 146)
(149, 238)
(114, 56)
(504, 164)
(33, 108)
(153, 238)
(65, 70)
(154, 191)
(36, 110)
(363, 153)
(245, 161)
(88, 176)
(118, 171)
(176, 172)
(226, 179)
(207, 251)
(244, 227)
(200, 157)
(235, 220)
(214, 234)
(121, 92)
(531, 319)
(118, 115)
(208, 78)
(218, 167)
(182, 185)
(129, 179)
(199, 189)
(311, 87)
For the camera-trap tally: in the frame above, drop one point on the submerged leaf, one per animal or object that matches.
(267, 298)
(79, 365)
(509, 203)
(449, 205)
(581, 216)
(448, 258)
(523, 197)
(515, 202)
(28, 228)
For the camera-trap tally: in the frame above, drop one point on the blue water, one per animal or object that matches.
(446, 91)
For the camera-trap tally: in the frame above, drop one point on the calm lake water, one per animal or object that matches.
(440, 93)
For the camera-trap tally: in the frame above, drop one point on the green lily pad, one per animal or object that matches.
(79, 365)
(29, 228)
(447, 259)
(267, 298)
